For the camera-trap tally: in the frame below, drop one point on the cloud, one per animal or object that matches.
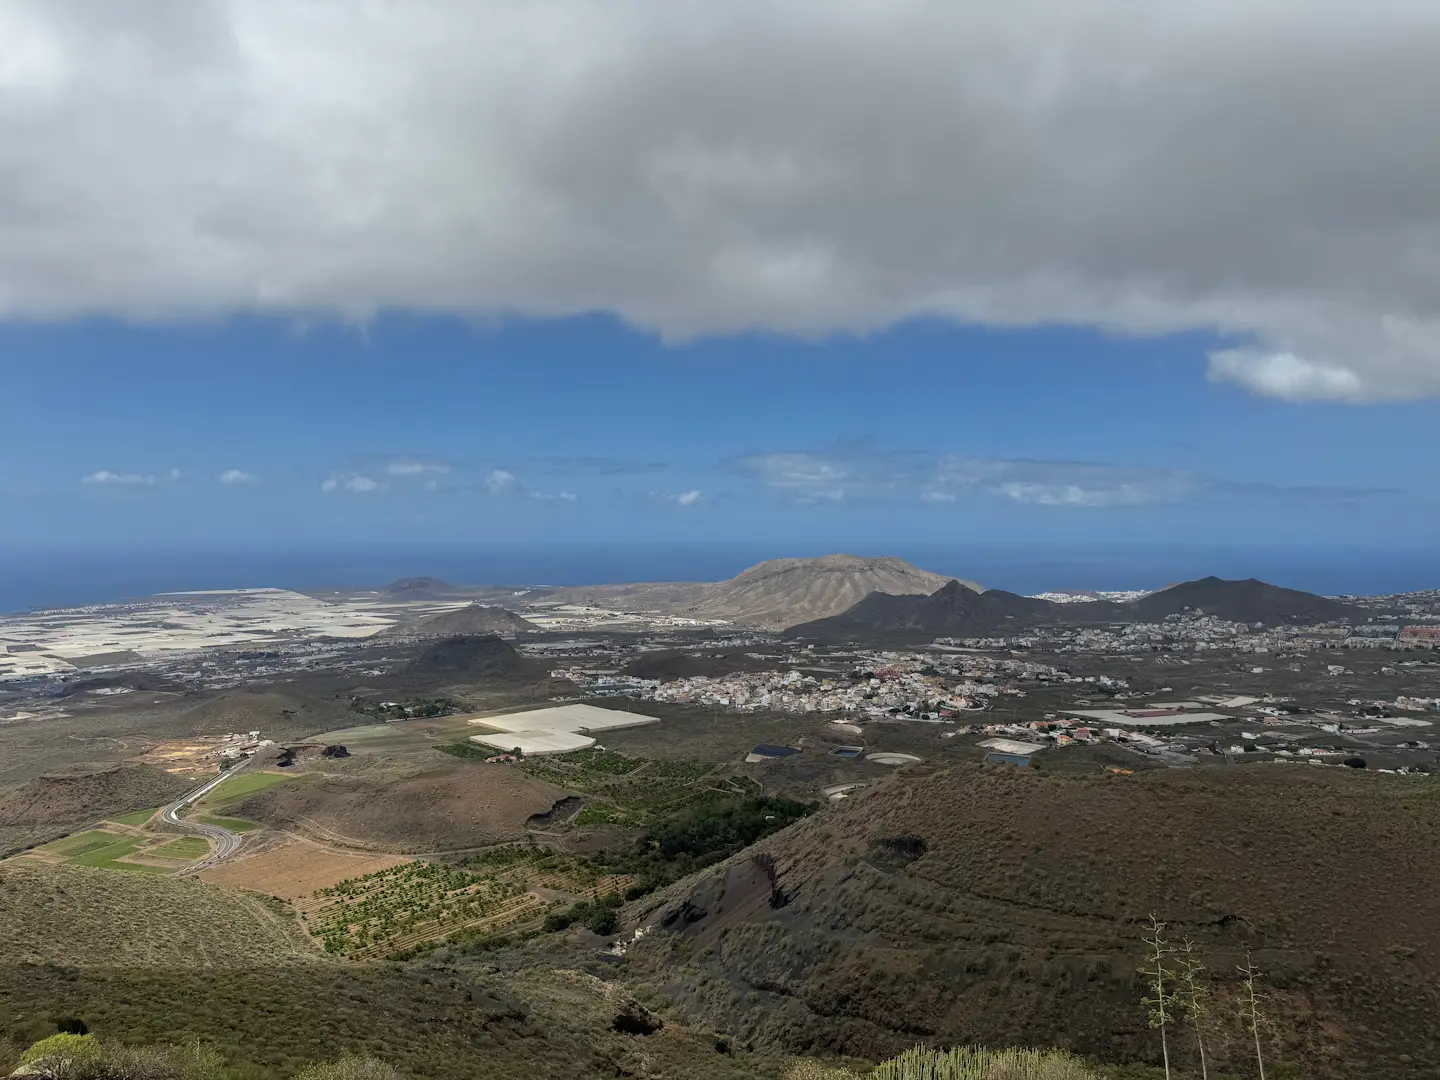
(407, 467)
(561, 496)
(1061, 483)
(357, 483)
(1034, 162)
(864, 472)
(105, 476)
(834, 476)
(500, 482)
(238, 476)
(689, 498)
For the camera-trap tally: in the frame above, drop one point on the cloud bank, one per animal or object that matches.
(1262, 169)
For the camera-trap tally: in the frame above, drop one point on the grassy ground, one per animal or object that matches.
(82, 916)
(238, 789)
(140, 817)
(239, 825)
(185, 847)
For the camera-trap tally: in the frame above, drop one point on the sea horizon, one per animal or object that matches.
(38, 579)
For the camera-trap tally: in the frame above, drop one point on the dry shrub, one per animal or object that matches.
(979, 1064)
(813, 1070)
(350, 1067)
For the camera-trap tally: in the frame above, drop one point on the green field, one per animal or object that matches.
(234, 824)
(139, 817)
(186, 847)
(240, 788)
(82, 843)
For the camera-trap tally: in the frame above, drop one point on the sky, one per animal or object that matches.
(793, 274)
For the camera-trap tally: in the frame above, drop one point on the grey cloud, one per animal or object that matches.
(1262, 169)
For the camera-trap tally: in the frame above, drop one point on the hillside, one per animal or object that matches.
(950, 610)
(1247, 601)
(997, 905)
(957, 611)
(80, 916)
(463, 657)
(783, 592)
(51, 806)
(445, 806)
(281, 714)
(472, 619)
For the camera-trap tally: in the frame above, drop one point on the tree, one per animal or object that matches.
(1159, 1000)
(1194, 997)
(1251, 1014)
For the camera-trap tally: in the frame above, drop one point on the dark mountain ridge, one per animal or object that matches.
(959, 611)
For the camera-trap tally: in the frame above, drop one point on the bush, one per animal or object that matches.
(967, 1063)
(349, 1067)
(82, 1057)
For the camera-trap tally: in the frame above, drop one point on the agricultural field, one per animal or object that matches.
(108, 849)
(238, 789)
(295, 868)
(234, 824)
(392, 910)
(189, 848)
(408, 906)
(140, 817)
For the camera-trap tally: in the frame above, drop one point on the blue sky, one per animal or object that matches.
(265, 431)
(796, 275)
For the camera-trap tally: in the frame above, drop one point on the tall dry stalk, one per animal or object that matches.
(1194, 994)
(1159, 1001)
(1251, 1011)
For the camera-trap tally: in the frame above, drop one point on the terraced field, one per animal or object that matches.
(416, 902)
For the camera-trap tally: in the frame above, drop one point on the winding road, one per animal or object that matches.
(226, 842)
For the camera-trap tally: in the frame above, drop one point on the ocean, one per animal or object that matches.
(33, 578)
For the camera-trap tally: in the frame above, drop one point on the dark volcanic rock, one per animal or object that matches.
(1247, 601)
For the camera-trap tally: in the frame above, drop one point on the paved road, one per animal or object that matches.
(226, 842)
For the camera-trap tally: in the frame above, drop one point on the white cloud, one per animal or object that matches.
(357, 483)
(561, 496)
(173, 474)
(862, 472)
(500, 482)
(1094, 162)
(105, 476)
(417, 468)
(238, 476)
(688, 498)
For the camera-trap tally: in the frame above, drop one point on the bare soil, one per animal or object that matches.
(292, 867)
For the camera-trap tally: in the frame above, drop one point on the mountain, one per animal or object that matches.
(783, 592)
(951, 610)
(960, 612)
(470, 656)
(1247, 601)
(417, 586)
(994, 905)
(472, 619)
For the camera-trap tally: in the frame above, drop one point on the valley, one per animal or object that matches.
(797, 832)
